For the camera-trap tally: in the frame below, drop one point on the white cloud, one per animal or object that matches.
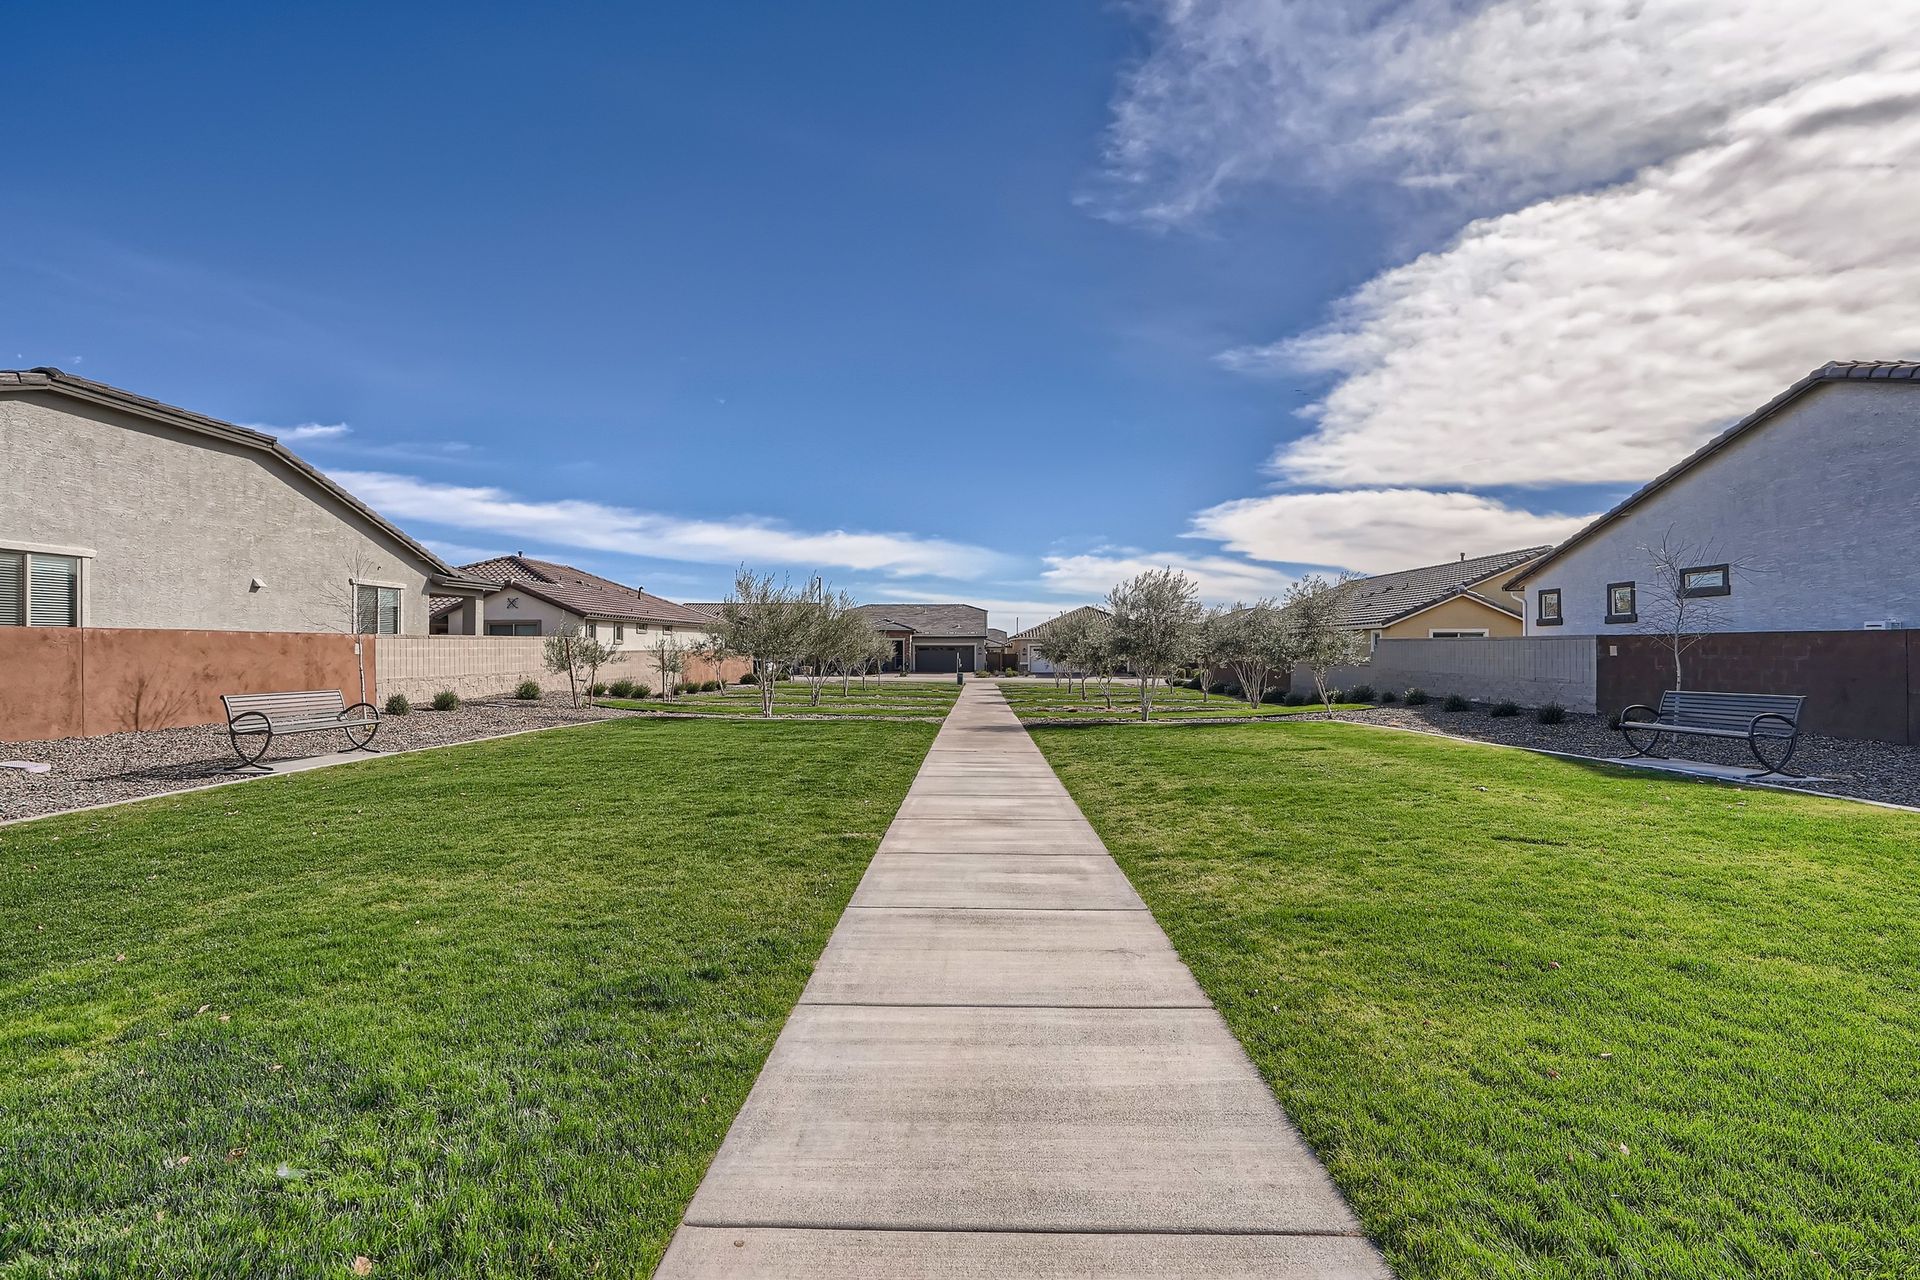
(1376, 530)
(1221, 579)
(306, 431)
(625, 531)
(1764, 157)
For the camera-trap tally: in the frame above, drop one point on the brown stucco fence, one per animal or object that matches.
(1858, 684)
(78, 682)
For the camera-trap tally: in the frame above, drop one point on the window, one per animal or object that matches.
(1621, 602)
(1707, 580)
(1547, 612)
(513, 628)
(667, 630)
(619, 632)
(376, 609)
(38, 589)
(1457, 633)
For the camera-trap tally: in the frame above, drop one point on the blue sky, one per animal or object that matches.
(997, 302)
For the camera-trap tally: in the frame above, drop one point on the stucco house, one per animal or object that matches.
(1804, 515)
(1460, 599)
(933, 637)
(120, 511)
(1028, 646)
(532, 597)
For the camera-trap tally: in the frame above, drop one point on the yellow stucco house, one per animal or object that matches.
(1464, 598)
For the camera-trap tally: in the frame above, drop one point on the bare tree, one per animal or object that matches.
(572, 653)
(1687, 582)
(1316, 610)
(1256, 643)
(344, 607)
(1152, 615)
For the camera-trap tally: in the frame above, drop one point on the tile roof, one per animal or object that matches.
(1035, 632)
(47, 378)
(930, 619)
(1388, 597)
(1907, 371)
(587, 594)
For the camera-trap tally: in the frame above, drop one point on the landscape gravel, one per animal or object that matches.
(126, 766)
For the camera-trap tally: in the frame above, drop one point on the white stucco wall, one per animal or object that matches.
(180, 524)
(1824, 500)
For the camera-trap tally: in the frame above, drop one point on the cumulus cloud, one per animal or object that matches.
(1683, 205)
(1221, 579)
(1376, 530)
(306, 431)
(602, 527)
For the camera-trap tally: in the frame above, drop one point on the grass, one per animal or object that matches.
(1541, 1019)
(480, 1011)
(1044, 702)
(880, 700)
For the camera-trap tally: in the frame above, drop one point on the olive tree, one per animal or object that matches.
(573, 653)
(1256, 644)
(1153, 615)
(711, 649)
(1316, 613)
(769, 622)
(1072, 644)
(1209, 647)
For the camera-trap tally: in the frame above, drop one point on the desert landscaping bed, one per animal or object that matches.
(126, 766)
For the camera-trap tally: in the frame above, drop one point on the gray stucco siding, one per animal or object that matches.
(1823, 501)
(181, 523)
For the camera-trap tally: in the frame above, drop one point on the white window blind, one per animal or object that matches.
(13, 589)
(53, 591)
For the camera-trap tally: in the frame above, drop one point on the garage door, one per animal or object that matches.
(943, 657)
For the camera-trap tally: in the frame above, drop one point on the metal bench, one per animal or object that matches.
(265, 716)
(1769, 720)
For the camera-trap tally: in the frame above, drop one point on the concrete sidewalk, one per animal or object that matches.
(1001, 1068)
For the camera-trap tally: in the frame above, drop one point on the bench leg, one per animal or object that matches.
(250, 763)
(1767, 767)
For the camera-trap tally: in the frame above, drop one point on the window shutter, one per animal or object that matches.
(53, 591)
(13, 582)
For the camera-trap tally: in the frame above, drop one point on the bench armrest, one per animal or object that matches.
(367, 707)
(1793, 726)
(1652, 716)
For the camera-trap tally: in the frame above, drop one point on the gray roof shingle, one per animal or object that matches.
(1388, 597)
(587, 594)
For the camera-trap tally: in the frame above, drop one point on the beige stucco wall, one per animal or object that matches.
(180, 523)
(1454, 614)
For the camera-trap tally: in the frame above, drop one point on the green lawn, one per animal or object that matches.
(881, 699)
(480, 1011)
(1044, 702)
(1542, 1019)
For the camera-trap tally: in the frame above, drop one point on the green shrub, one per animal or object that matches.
(398, 705)
(445, 700)
(711, 686)
(1416, 697)
(1295, 700)
(750, 678)
(528, 691)
(1455, 702)
(687, 686)
(1504, 709)
(1274, 696)
(1552, 713)
(621, 688)
(1360, 693)
(1389, 696)
(598, 689)
(641, 689)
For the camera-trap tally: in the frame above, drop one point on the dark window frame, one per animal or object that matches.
(1540, 618)
(1633, 599)
(1694, 593)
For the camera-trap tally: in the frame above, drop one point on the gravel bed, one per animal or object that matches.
(1883, 771)
(126, 766)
